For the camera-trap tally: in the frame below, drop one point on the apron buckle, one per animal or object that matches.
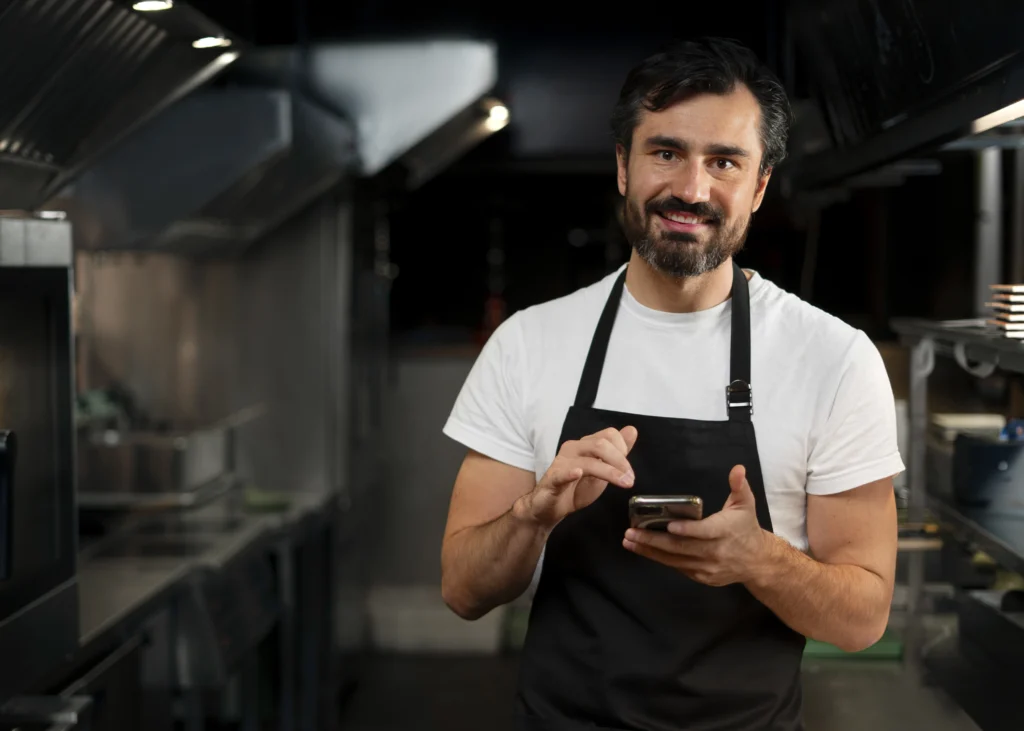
(738, 395)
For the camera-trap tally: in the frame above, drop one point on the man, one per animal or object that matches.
(679, 374)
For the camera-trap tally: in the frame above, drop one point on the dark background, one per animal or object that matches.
(904, 250)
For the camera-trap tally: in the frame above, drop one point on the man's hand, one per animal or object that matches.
(725, 548)
(578, 475)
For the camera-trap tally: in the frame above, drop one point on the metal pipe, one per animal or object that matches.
(988, 226)
(1017, 206)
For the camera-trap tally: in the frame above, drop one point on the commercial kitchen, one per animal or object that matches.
(250, 251)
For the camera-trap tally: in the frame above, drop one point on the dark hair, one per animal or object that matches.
(704, 66)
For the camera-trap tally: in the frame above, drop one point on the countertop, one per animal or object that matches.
(124, 577)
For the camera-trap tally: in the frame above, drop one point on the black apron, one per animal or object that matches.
(618, 641)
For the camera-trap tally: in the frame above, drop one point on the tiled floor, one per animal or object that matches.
(410, 693)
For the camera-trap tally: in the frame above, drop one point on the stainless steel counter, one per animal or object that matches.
(124, 577)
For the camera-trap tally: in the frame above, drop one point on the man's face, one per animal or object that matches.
(691, 181)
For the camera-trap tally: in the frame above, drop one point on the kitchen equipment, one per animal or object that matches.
(989, 473)
(38, 585)
(175, 467)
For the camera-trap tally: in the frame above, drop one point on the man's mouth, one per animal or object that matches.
(676, 221)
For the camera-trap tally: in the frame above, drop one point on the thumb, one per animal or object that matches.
(739, 489)
(629, 435)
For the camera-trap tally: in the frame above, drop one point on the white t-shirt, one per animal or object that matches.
(824, 414)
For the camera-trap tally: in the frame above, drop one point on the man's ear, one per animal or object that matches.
(622, 162)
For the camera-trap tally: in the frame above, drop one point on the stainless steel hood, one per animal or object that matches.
(82, 73)
(210, 175)
(416, 105)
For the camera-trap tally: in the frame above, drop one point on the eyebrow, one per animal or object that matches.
(659, 141)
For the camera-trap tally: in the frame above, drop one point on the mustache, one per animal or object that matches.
(676, 205)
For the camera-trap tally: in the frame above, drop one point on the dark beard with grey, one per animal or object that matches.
(677, 253)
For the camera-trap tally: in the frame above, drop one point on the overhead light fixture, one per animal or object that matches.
(1002, 116)
(497, 117)
(153, 6)
(211, 42)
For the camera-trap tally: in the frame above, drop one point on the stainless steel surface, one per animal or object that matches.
(96, 62)
(119, 501)
(143, 467)
(397, 93)
(193, 341)
(121, 582)
(988, 233)
(1016, 273)
(976, 344)
(256, 157)
(32, 242)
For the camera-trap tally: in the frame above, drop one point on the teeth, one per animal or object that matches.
(682, 218)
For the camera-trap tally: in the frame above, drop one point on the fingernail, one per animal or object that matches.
(628, 478)
(631, 535)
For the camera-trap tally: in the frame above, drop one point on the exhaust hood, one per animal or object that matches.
(895, 79)
(210, 175)
(416, 105)
(83, 73)
(221, 168)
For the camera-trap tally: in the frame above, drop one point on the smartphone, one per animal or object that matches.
(655, 512)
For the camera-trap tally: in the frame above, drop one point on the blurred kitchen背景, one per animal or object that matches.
(251, 249)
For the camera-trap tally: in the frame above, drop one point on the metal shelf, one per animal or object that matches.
(999, 536)
(979, 344)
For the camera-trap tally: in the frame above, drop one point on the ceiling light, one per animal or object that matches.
(1002, 116)
(211, 42)
(497, 117)
(498, 113)
(153, 6)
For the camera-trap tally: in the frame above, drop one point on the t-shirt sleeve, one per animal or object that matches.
(857, 442)
(488, 415)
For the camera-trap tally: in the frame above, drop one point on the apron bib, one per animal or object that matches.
(617, 641)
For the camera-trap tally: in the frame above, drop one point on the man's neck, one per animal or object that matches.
(665, 293)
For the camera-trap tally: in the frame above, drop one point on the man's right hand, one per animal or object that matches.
(579, 474)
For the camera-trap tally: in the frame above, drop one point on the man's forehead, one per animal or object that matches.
(732, 118)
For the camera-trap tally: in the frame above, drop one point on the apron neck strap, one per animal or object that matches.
(738, 395)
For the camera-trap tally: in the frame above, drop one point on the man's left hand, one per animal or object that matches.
(725, 548)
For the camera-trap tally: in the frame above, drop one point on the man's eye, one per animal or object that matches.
(724, 164)
(667, 155)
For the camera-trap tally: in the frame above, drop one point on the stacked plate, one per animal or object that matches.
(1007, 307)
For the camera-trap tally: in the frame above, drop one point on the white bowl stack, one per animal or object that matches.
(1007, 307)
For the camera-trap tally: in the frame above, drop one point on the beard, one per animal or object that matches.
(677, 253)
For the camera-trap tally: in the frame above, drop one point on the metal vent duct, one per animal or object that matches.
(79, 75)
(210, 175)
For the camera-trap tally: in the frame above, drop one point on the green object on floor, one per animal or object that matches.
(887, 648)
(266, 500)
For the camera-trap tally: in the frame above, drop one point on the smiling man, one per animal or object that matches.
(679, 374)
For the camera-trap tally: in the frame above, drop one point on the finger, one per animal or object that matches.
(612, 435)
(738, 481)
(740, 493)
(629, 435)
(561, 477)
(593, 467)
(707, 529)
(605, 451)
(668, 543)
(663, 557)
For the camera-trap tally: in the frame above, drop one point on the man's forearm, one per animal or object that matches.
(492, 564)
(846, 606)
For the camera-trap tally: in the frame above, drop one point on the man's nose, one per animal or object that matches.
(692, 183)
